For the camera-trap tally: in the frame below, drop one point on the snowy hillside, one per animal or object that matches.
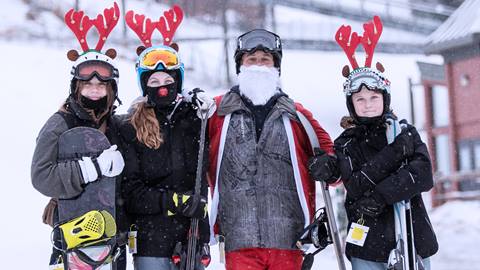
(35, 81)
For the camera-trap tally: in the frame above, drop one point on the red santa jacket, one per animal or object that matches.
(300, 152)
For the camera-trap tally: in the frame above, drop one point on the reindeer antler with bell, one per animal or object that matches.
(144, 27)
(160, 57)
(92, 62)
(349, 42)
(80, 24)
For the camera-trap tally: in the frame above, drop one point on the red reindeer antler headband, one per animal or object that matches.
(80, 24)
(144, 27)
(350, 41)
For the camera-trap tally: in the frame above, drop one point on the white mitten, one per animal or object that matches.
(87, 167)
(111, 162)
(206, 105)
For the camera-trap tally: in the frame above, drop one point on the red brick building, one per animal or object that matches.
(452, 104)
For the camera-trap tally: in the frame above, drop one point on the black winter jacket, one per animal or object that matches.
(363, 151)
(150, 173)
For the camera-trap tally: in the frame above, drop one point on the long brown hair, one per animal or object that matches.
(145, 122)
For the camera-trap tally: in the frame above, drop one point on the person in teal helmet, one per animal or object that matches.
(161, 136)
(160, 60)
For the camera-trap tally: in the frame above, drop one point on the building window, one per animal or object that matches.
(440, 105)
(476, 155)
(465, 157)
(419, 106)
(442, 154)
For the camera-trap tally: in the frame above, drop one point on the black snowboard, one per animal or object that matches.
(99, 195)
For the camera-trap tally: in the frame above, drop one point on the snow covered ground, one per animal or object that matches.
(34, 80)
(458, 231)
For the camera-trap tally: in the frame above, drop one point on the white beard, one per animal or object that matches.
(259, 83)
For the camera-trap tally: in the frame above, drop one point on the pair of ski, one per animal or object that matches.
(404, 256)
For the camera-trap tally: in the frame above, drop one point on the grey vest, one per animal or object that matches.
(259, 205)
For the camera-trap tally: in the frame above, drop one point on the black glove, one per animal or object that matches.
(194, 94)
(183, 204)
(404, 144)
(199, 210)
(323, 167)
(371, 205)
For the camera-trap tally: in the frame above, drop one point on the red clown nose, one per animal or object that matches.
(162, 92)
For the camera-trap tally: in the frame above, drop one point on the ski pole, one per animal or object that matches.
(194, 232)
(192, 245)
(312, 137)
(333, 225)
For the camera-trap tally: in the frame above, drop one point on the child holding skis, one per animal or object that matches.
(376, 174)
(161, 145)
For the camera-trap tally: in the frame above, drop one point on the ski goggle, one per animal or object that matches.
(168, 59)
(85, 71)
(367, 77)
(259, 38)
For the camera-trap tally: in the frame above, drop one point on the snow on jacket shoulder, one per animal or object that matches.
(52, 178)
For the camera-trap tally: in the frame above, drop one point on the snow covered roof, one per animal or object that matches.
(461, 28)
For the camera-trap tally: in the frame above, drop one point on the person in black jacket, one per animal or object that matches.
(161, 145)
(377, 174)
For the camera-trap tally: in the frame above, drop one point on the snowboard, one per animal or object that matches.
(89, 229)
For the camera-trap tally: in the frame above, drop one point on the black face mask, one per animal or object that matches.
(95, 105)
(370, 121)
(161, 96)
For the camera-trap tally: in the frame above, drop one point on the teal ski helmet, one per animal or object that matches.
(159, 58)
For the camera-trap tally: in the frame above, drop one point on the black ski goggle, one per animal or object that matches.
(102, 70)
(259, 38)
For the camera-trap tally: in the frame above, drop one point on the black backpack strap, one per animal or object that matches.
(69, 118)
